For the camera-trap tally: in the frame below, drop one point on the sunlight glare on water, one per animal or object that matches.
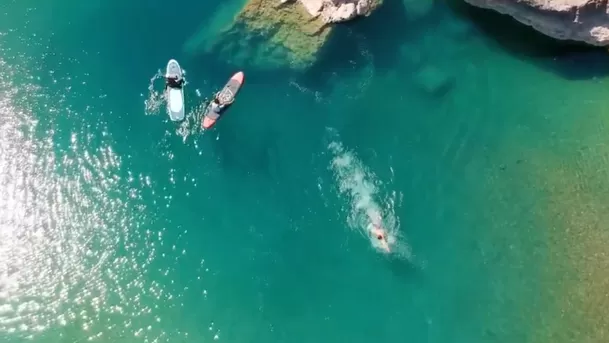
(70, 245)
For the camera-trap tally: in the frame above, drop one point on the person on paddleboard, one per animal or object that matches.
(174, 81)
(377, 231)
(216, 106)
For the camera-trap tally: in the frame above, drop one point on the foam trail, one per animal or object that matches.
(319, 98)
(192, 121)
(155, 99)
(367, 208)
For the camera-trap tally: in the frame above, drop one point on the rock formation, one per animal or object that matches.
(336, 11)
(279, 33)
(579, 20)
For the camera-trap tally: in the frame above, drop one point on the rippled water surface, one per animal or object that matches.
(483, 155)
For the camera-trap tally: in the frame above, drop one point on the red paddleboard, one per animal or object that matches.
(226, 97)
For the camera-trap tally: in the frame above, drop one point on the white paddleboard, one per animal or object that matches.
(175, 96)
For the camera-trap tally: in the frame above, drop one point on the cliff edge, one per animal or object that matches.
(336, 11)
(278, 33)
(578, 20)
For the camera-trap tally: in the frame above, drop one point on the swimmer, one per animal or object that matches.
(377, 231)
(174, 81)
(379, 234)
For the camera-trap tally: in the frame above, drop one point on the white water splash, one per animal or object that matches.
(366, 206)
(192, 121)
(155, 98)
(76, 241)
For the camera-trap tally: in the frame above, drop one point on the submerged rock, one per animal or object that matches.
(279, 33)
(579, 20)
(433, 80)
(418, 9)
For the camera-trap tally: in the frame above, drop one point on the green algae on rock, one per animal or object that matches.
(265, 34)
(293, 37)
(271, 33)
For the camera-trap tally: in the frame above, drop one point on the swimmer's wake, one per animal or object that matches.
(378, 224)
(155, 99)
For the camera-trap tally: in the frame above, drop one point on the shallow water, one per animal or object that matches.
(117, 225)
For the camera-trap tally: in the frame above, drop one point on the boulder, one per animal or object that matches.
(336, 11)
(363, 8)
(341, 13)
(313, 6)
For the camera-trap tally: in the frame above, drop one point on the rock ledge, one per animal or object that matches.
(273, 34)
(336, 11)
(578, 20)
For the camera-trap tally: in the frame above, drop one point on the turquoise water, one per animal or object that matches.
(117, 225)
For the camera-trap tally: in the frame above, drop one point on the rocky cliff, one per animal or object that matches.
(279, 33)
(336, 11)
(579, 20)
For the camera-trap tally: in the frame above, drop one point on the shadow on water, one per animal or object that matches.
(377, 41)
(386, 30)
(405, 270)
(373, 41)
(571, 60)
